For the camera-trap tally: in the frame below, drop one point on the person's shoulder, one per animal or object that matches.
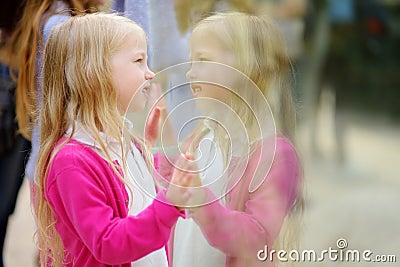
(75, 163)
(70, 153)
(285, 148)
(280, 148)
(273, 159)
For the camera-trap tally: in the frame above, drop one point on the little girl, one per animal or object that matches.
(257, 207)
(93, 65)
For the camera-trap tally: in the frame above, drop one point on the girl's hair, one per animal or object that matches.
(78, 87)
(261, 55)
(187, 12)
(26, 43)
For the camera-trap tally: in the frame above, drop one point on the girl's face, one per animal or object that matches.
(206, 47)
(130, 72)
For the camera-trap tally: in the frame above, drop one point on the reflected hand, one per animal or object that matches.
(183, 191)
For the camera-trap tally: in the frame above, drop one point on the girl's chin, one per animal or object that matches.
(136, 107)
(138, 103)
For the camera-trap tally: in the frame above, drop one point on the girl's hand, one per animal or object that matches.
(197, 194)
(185, 189)
(157, 115)
(184, 178)
(152, 127)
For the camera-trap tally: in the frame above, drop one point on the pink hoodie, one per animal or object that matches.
(91, 211)
(249, 221)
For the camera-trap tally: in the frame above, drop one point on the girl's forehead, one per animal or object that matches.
(210, 26)
(136, 35)
(207, 37)
(136, 30)
(202, 35)
(201, 30)
(210, 32)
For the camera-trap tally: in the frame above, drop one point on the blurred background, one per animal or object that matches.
(346, 65)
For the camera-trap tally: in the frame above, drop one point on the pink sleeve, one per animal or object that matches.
(82, 204)
(243, 233)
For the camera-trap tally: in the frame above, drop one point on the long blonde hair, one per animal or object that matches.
(26, 43)
(78, 87)
(261, 55)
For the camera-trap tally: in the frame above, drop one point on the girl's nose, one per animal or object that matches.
(190, 74)
(149, 75)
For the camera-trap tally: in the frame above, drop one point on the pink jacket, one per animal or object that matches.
(91, 207)
(249, 221)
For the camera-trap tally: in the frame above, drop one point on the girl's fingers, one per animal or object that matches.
(185, 162)
(186, 181)
(152, 126)
(182, 180)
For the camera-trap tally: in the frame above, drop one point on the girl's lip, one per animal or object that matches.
(145, 88)
(195, 92)
(196, 88)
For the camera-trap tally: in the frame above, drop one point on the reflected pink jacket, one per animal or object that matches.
(91, 207)
(249, 221)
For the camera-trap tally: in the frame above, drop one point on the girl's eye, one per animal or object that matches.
(139, 60)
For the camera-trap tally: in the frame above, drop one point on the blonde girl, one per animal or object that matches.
(230, 231)
(93, 65)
